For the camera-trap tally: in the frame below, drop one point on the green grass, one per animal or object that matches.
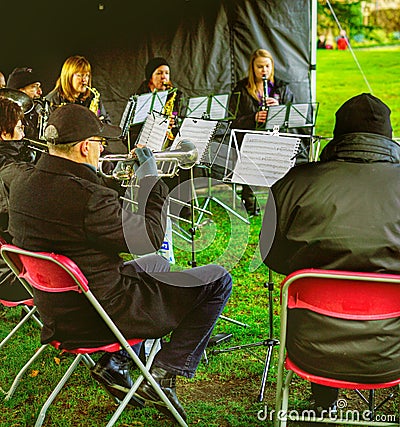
(224, 391)
(339, 78)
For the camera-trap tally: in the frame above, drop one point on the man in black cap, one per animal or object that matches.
(26, 80)
(59, 206)
(341, 213)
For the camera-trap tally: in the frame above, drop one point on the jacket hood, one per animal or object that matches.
(362, 148)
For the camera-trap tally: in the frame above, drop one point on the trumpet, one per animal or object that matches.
(168, 162)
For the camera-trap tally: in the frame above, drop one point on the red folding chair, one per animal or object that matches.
(51, 272)
(331, 323)
(30, 309)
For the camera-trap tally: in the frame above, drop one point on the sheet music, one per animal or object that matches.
(276, 116)
(143, 106)
(219, 104)
(148, 102)
(159, 101)
(199, 131)
(153, 131)
(264, 159)
(298, 115)
(197, 106)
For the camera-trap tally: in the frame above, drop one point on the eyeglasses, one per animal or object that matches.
(82, 76)
(103, 142)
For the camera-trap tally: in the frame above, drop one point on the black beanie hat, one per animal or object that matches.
(21, 77)
(363, 113)
(153, 64)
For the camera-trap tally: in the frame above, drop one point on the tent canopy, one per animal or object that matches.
(207, 43)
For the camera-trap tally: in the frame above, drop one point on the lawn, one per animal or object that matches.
(225, 390)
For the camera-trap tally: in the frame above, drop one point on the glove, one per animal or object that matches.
(147, 163)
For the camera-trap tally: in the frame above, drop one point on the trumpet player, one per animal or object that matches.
(84, 220)
(74, 86)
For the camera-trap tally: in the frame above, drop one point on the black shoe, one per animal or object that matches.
(112, 372)
(167, 382)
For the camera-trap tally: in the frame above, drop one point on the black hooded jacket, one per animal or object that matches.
(340, 213)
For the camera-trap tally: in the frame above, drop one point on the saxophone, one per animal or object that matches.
(169, 112)
(95, 102)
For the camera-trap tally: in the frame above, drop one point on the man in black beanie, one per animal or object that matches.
(26, 80)
(341, 213)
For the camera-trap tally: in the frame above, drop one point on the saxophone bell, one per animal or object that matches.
(95, 102)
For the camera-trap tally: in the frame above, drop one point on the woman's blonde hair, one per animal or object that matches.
(251, 85)
(73, 65)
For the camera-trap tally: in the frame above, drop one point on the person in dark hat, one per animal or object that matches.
(60, 207)
(158, 78)
(26, 80)
(341, 213)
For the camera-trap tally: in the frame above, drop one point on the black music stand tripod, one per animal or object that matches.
(270, 342)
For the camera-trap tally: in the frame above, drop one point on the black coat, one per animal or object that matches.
(340, 213)
(248, 106)
(59, 206)
(56, 99)
(14, 156)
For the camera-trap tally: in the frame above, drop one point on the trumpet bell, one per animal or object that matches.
(21, 98)
(184, 156)
(185, 153)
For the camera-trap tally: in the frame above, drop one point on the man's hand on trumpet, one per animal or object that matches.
(145, 164)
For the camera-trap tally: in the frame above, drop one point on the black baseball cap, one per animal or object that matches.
(73, 123)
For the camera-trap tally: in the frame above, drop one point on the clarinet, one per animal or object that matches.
(264, 106)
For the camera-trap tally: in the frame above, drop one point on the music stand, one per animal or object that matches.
(222, 106)
(290, 116)
(262, 159)
(137, 109)
(202, 132)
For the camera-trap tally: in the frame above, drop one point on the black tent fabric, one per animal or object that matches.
(207, 43)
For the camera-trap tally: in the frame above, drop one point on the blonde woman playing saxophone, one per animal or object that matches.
(74, 87)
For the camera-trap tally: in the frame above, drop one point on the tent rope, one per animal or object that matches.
(350, 48)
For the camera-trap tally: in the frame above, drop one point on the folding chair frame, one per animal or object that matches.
(80, 284)
(282, 388)
(31, 310)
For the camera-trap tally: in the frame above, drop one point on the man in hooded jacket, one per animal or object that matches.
(341, 213)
